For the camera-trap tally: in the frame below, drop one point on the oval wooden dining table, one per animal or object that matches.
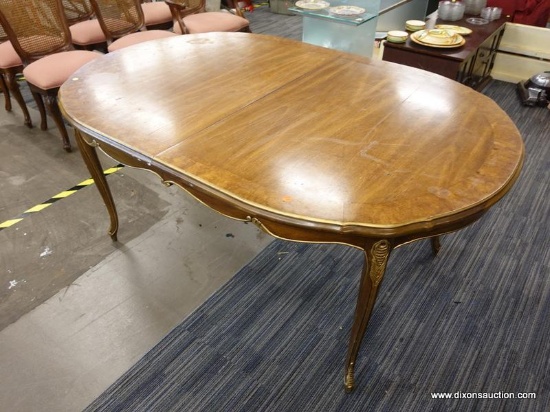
(311, 144)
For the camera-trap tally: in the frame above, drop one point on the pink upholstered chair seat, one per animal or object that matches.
(42, 38)
(214, 21)
(8, 56)
(139, 37)
(87, 32)
(52, 71)
(156, 13)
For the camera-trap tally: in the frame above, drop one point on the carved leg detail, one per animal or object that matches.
(436, 245)
(41, 109)
(376, 258)
(89, 155)
(5, 90)
(53, 108)
(13, 86)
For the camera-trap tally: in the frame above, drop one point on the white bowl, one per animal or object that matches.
(414, 25)
(397, 36)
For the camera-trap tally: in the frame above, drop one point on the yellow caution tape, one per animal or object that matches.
(53, 199)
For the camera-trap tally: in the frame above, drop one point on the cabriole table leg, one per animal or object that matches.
(89, 154)
(376, 258)
(436, 245)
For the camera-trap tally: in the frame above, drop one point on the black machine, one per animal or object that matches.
(536, 90)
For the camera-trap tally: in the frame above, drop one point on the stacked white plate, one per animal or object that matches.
(463, 31)
(438, 38)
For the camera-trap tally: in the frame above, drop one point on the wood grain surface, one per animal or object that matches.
(299, 133)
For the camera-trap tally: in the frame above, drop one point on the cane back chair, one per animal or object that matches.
(86, 33)
(156, 15)
(10, 66)
(39, 33)
(77, 11)
(123, 23)
(190, 16)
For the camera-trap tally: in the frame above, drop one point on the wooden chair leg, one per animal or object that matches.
(53, 108)
(13, 87)
(6, 91)
(41, 109)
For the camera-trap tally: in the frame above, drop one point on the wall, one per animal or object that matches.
(395, 18)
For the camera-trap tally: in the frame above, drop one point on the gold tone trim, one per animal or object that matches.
(257, 222)
(456, 215)
(93, 142)
(380, 252)
(349, 381)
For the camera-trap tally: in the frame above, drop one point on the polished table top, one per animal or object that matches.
(310, 143)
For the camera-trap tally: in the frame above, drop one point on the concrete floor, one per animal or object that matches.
(118, 299)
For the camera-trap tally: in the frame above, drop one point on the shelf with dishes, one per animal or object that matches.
(441, 36)
(458, 50)
(335, 11)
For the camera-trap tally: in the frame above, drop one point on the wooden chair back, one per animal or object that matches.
(77, 10)
(3, 35)
(36, 28)
(191, 6)
(182, 8)
(118, 17)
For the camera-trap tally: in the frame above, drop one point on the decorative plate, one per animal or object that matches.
(463, 31)
(312, 4)
(438, 38)
(346, 11)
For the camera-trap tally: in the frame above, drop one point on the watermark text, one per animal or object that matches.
(484, 395)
